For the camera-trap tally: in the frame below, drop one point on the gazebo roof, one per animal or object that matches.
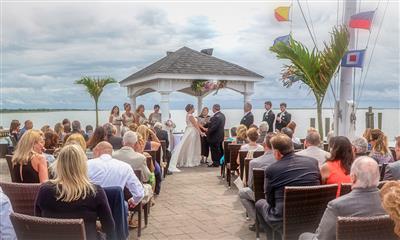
(189, 61)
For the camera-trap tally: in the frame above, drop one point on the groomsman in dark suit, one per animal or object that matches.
(283, 118)
(248, 117)
(215, 135)
(269, 116)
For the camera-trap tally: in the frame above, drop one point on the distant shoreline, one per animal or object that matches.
(85, 110)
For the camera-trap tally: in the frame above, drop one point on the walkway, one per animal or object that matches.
(193, 204)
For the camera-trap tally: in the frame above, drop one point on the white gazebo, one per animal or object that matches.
(176, 72)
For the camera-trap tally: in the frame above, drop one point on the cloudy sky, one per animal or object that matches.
(46, 46)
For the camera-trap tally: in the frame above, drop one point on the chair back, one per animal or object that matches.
(22, 196)
(35, 228)
(393, 151)
(226, 151)
(364, 228)
(258, 185)
(153, 155)
(242, 156)
(345, 188)
(10, 168)
(326, 147)
(233, 154)
(148, 161)
(382, 169)
(139, 175)
(303, 208)
(246, 170)
(116, 201)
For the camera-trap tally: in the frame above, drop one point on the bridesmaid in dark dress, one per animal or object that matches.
(71, 195)
(29, 163)
(203, 119)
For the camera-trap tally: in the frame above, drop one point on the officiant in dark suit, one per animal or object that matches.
(215, 134)
(283, 118)
(248, 117)
(269, 116)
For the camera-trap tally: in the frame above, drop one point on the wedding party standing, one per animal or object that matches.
(215, 134)
(155, 116)
(283, 118)
(127, 116)
(269, 116)
(248, 118)
(203, 119)
(116, 120)
(188, 152)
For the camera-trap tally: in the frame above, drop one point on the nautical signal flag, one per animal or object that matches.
(353, 58)
(362, 20)
(282, 13)
(284, 39)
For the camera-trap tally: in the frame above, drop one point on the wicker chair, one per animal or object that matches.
(10, 167)
(304, 207)
(365, 228)
(233, 150)
(38, 228)
(258, 188)
(21, 195)
(226, 157)
(242, 156)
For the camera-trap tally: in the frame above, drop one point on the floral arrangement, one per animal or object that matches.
(200, 86)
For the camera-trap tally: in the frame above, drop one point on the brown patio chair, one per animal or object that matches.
(232, 166)
(138, 208)
(258, 188)
(303, 208)
(226, 157)
(365, 228)
(393, 151)
(37, 228)
(10, 168)
(22, 196)
(242, 156)
(345, 188)
(382, 169)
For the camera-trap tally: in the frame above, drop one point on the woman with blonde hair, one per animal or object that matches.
(71, 195)
(149, 137)
(29, 163)
(390, 195)
(380, 150)
(241, 134)
(77, 138)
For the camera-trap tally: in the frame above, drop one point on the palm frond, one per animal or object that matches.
(95, 86)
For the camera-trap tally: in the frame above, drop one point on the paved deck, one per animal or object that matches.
(193, 204)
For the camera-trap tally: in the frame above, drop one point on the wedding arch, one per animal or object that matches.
(188, 71)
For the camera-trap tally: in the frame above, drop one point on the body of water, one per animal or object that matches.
(390, 122)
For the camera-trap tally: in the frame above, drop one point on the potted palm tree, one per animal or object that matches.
(95, 86)
(313, 68)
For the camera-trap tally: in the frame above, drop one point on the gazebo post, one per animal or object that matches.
(247, 97)
(164, 106)
(133, 102)
(199, 104)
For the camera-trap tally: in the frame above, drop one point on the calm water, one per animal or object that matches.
(390, 123)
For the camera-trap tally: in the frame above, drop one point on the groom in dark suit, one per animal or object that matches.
(215, 134)
(269, 116)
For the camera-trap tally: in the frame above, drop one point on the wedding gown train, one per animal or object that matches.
(188, 152)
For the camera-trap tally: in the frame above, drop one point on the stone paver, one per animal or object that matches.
(193, 204)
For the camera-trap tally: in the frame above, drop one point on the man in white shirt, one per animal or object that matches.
(107, 172)
(136, 160)
(6, 228)
(312, 143)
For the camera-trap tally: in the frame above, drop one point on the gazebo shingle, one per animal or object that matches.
(189, 61)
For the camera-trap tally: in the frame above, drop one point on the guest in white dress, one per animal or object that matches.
(188, 152)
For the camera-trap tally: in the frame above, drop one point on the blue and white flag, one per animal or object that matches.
(285, 39)
(354, 58)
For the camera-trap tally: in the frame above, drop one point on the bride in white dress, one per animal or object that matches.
(188, 152)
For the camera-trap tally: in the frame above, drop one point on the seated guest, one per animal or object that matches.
(89, 130)
(287, 131)
(161, 134)
(77, 138)
(252, 146)
(241, 134)
(14, 130)
(362, 201)
(98, 136)
(379, 147)
(246, 194)
(59, 129)
(232, 138)
(76, 128)
(292, 125)
(263, 130)
(289, 170)
(46, 128)
(312, 142)
(29, 163)
(28, 125)
(392, 171)
(50, 140)
(337, 167)
(109, 172)
(390, 195)
(136, 160)
(71, 195)
(110, 132)
(6, 228)
(360, 147)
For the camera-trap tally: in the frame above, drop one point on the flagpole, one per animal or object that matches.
(344, 122)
